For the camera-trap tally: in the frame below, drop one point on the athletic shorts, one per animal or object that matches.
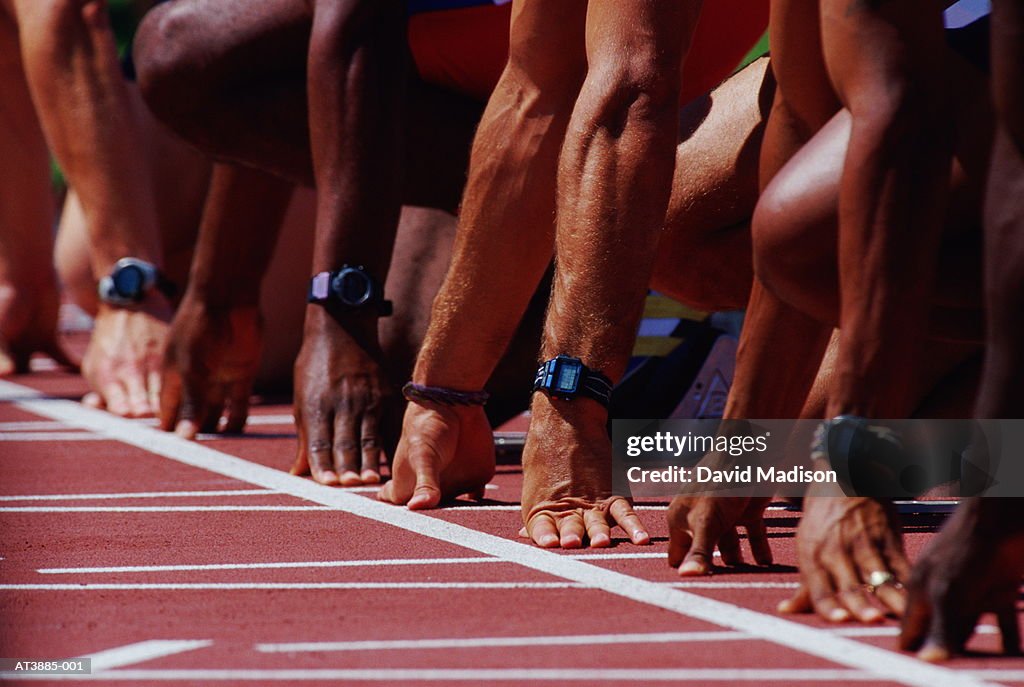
(463, 44)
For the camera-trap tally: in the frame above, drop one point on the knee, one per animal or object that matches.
(776, 248)
(167, 64)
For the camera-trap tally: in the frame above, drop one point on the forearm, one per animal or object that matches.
(505, 238)
(890, 220)
(356, 100)
(241, 222)
(83, 103)
(891, 199)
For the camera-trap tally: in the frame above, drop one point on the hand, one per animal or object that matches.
(210, 362)
(28, 324)
(842, 542)
(123, 360)
(345, 407)
(567, 471)
(973, 566)
(698, 523)
(444, 452)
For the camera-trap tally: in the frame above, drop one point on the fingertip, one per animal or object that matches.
(693, 568)
(641, 538)
(787, 606)
(547, 541)
(370, 477)
(424, 499)
(328, 478)
(933, 653)
(523, 533)
(600, 541)
(350, 479)
(838, 615)
(384, 493)
(187, 429)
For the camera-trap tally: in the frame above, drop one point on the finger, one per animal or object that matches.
(698, 559)
(1009, 628)
(59, 355)
(798, 603)
(598, 531)
(215, 400)
(679, 542)
(868, 561)
(822, 591)
(623, 514)
(729, 546)
(403, 477)
(237, 407)
(93, 400)
(571, 530)
(116, 398)
(370, 443)
(154, 383)
(191, 408)
(757, 537)
(543, 530)
(852, 595)
(7, 363)
(170, 401)
(427, 493)
(319, 447)
(138, 396)
(917, 618)
(346, 449)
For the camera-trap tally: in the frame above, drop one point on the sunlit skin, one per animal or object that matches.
(374, 148)
(791, 259)
(93, 128)
(975, 564)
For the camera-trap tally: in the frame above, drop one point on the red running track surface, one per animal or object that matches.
(174, 562)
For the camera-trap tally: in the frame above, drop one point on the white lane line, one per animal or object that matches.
(803, 638)
(139, 652)
(136, 495)
(384, 562)
(50, 436)
(554, 640)
(32, 426)
(242, 586)
(480, 676)
(515, 507)
(155, 509)
(714, 584)
(352, 563)
(484, 642)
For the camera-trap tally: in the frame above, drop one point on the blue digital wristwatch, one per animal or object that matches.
(566, 378)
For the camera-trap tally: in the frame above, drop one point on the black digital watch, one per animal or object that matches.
(129, 282)
(351, 288)
(566, 378)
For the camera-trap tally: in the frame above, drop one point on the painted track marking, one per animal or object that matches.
(136, 495)
(880, 662)
(139, 652)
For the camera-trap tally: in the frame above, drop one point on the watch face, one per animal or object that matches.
(129, 281)
(567, 376)
(352, 287)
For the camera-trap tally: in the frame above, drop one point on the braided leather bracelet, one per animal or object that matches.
(439, 394)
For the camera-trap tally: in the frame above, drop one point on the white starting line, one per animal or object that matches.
(873, 663)
(137, 495)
